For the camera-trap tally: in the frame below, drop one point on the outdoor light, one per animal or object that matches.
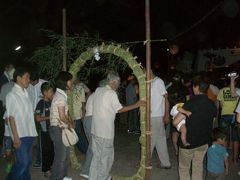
(18, 48)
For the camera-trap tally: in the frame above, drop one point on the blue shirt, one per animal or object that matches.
(215, 158)
(131, 96)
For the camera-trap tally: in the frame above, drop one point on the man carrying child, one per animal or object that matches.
(199, 129)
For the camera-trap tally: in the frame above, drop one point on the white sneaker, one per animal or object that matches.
(84, 175)
(67, 178)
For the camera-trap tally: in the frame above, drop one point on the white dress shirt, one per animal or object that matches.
(89, 105)
(158, 91)
(6, 88)
(105, 107)
(19, 106)
(35, 92)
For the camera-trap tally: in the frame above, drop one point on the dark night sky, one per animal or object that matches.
(119, 20)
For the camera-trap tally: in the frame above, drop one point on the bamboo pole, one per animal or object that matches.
(148, 107)
(64, 31)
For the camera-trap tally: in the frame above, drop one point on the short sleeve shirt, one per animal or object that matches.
(89, 105)
(158, 91)
(6, 88)
(78, 99)
(19, 106)
(105, 106)
(131, 96)
(35, 92)
(215, 158)
(199, 124)
(59, 100)
(238, 108)
(228, 102)
(43, 109)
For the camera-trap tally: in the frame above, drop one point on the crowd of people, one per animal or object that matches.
(204, 123)
(207, 120)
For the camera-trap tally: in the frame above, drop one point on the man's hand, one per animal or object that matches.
(140, 103)
(234, 78)
(16, 143)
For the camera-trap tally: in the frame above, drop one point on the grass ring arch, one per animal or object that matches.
(127, 56)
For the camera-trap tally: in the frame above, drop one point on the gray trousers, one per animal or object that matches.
(159, 140)
(87, 123)
(61, 154)
(102, 161)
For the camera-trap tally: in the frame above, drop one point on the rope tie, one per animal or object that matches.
(148, 132)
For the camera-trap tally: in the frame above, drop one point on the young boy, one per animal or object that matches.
(180, 125)
(217, 156)
(42, 115)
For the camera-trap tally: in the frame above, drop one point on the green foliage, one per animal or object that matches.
(107, 63)
(49, 58)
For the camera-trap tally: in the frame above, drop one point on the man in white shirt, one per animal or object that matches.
(34, 89)
(87, 124)
(105, 107)
(8, 149)
(6, 77)
(22, 127)
(159, 116)
(35, 95)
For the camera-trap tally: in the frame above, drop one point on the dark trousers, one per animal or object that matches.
(1, 124)
(133, 120)
(47, 151)
(21, 168)
(82, 143)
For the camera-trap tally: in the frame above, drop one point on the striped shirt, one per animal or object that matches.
(19, 106)
(59, 100)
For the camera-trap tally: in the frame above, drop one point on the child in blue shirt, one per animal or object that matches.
(42, 115)
(217, 157)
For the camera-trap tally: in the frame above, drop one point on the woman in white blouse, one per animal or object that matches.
(59, 118)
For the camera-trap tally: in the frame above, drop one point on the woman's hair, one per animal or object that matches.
(218, 133)
(61, 80)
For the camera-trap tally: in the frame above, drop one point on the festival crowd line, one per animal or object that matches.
(204, 123)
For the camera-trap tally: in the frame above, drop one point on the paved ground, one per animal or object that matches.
(127, 157)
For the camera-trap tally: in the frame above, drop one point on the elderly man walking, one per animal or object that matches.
(105, 107)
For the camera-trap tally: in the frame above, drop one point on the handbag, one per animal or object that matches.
(69, 137)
